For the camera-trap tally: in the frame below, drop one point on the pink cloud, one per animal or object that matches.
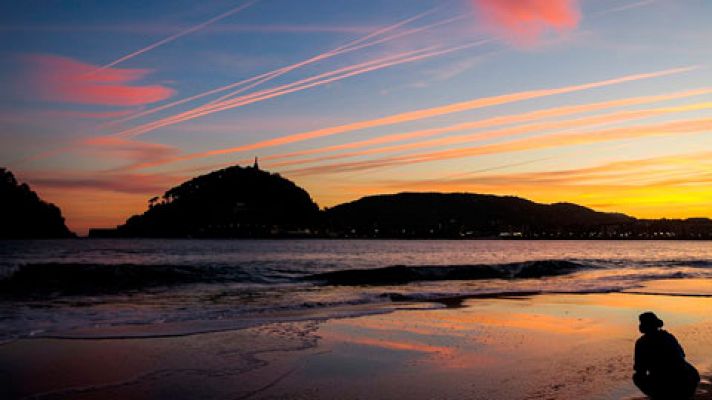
(88, 114)
(65, 80)
(49, 118)
(147, 184)
(523, 22)
(132, 150)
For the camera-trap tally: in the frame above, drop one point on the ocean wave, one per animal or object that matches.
(688, 263)
(75, 278)
(649, 276)
(403, 274)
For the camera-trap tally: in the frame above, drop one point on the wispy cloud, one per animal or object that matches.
(457, 68)
(147, 184)
(126, 149)
(675, 186)
(379, 36)
(647, 187)
(637, 172)
(624, 7)
(65, 80)
(25, 116)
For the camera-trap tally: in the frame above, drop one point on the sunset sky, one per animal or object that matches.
(604, 103)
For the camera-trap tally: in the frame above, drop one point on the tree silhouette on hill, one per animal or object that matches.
(456, 214)
(231, 202)
(249, 202)
(23, 215)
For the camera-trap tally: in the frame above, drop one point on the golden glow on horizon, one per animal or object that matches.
(526, 144)
(86, 208)
(643, 188)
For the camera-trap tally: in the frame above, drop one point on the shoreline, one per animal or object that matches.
(694, 288)
(307, 238)
(558, 345)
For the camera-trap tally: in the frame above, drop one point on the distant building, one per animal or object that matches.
(256, 165)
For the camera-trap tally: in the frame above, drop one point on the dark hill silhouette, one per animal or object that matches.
(24, 215)
(249, 202)
(231, 202)
(464, 214)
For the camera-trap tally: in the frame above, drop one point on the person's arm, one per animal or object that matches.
(677, 346)
(640, 363)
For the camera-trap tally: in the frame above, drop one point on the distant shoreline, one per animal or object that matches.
(366, 239)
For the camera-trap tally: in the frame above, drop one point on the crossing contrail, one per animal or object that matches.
(329, 77)
(251, 82)
(428, 113)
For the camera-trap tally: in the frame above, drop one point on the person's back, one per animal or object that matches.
(661, 371)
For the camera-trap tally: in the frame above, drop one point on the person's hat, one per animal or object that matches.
(649, 319)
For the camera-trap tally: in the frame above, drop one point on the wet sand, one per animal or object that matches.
(529, 347)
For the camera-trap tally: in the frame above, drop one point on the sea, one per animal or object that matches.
(95, 288)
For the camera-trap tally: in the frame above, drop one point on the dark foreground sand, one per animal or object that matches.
(537, 347)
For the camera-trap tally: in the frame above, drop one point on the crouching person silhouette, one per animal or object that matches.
(661, 371)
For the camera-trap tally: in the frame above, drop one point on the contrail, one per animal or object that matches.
(250, 98)
(357, 69)
(448, 109)
(354, 45)
(306, 83)
(553, 112)
(535, 143)
(622, 8)
(430, 112)
(296, 86)
(177, 35)
(614, 171)
(340, 50)
(576, 123)
(494, 121)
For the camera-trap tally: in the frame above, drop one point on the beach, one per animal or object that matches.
(548, 346)
(347, 319)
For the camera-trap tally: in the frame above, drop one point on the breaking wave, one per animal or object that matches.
(402, 274)
(57, 278)
(74, 278)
